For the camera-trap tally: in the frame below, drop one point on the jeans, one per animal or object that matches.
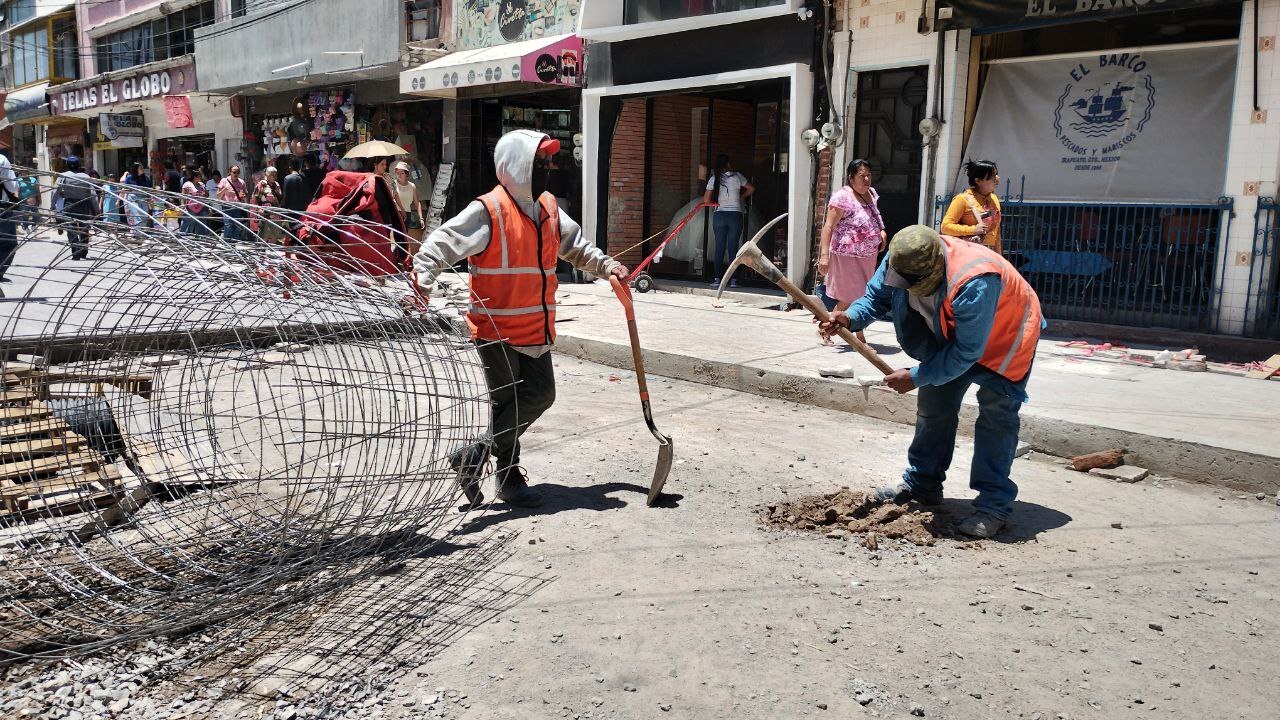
(727, 225)
(995, 439)
(194, 223)
(8, 241)
(232, 228)
(521, 388)
(76, 215)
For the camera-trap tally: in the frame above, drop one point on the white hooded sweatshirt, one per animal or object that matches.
(468, 232)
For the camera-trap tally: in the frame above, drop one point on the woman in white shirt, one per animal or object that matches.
(728, 189)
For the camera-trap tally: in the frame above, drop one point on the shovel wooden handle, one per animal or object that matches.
(624, 296)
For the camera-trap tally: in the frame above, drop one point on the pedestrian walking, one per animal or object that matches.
(512, 237)
(213, 219)
(406, 193)
(295, 194)
(9, 193)
(233, 190)
(29, 199)
(974, 214)
(173, 179)
(268, 194)
(729, 189)
(196, 212)
(313, 174)
(76, 193)
(970, 319)
(852, 236)
(138, 197)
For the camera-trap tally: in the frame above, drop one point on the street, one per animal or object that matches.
(1102, 600)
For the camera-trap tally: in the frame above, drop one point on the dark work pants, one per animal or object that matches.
(521, 388)
(8, 240)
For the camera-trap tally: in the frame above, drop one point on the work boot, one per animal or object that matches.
(981, 525)
(470, 463)
(513, 488)
(900, 493)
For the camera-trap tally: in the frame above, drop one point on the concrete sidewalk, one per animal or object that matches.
(1200, 426)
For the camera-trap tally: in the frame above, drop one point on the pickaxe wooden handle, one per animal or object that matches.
(749, 254)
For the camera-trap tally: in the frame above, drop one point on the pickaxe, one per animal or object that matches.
(750, 255)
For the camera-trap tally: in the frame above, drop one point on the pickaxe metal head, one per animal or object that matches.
(750, 254)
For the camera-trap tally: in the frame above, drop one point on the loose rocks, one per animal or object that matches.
(857, 512)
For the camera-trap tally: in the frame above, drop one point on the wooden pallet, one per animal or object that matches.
(45, 465)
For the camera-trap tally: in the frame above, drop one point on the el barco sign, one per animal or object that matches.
(1000, 13)
(143, 86)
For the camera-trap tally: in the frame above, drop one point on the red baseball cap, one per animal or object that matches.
(549, 146)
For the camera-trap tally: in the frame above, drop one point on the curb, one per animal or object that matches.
(1210, 465)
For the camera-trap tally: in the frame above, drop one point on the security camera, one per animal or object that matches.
(810, 138)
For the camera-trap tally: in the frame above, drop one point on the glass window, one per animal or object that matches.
(30, 56)
(238, 8)
(168, 37)
(66, 61)
(640, 11)
(19, 11)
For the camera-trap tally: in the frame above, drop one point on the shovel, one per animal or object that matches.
(665, 451)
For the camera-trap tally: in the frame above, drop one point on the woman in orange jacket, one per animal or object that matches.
(974, 214)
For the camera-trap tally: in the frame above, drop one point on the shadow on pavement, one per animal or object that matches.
(1026, 523)
(559, 498)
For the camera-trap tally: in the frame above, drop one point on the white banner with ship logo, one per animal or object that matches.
(1144, 124)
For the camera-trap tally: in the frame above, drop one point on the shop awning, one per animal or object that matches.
(991, 15)
(27, 105)
(546, 61)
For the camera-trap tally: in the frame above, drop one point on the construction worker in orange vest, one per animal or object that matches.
(512, 237)
(970, 319)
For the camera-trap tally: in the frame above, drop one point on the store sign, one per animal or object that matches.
(143, 86)
(557, 64)
(979, 14)
(487, 23)
(513, 18)
(116, 132)
(1101, 126)
(177, 111)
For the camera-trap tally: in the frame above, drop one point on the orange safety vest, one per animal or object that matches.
(1011, 346)
(513, 280)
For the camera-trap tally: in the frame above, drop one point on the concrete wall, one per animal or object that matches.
(242, 52)
(882, 34)
(1253, 159)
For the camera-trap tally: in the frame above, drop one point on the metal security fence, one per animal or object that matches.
(1262, 303)
(1137, 264)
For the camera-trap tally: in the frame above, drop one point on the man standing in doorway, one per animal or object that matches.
(970, 319)
(512, 236)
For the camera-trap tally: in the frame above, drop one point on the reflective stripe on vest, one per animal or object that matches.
(1011, 346)
(513, 281)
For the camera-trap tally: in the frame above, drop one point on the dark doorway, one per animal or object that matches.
(891, 104)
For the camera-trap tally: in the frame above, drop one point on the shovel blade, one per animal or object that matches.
(666, 453)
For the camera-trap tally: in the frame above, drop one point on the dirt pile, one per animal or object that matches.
(845, 513)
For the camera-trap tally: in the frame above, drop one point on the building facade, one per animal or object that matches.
(1135, 142)
(40, 51)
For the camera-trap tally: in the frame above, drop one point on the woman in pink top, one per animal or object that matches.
(232, 190)
(195, 212)
(851, 237)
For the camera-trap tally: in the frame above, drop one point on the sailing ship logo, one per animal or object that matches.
(1106, 106)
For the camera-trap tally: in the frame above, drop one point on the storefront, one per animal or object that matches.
(178, 123)
(655, 118)
(1110, 125)
(326, 122)
(530, 84)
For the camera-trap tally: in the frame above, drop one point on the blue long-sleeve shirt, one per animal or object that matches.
(941, 360)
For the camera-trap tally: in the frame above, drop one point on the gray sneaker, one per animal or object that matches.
(900, 493)
(981, 525)
(470, 463)
(513, 489)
